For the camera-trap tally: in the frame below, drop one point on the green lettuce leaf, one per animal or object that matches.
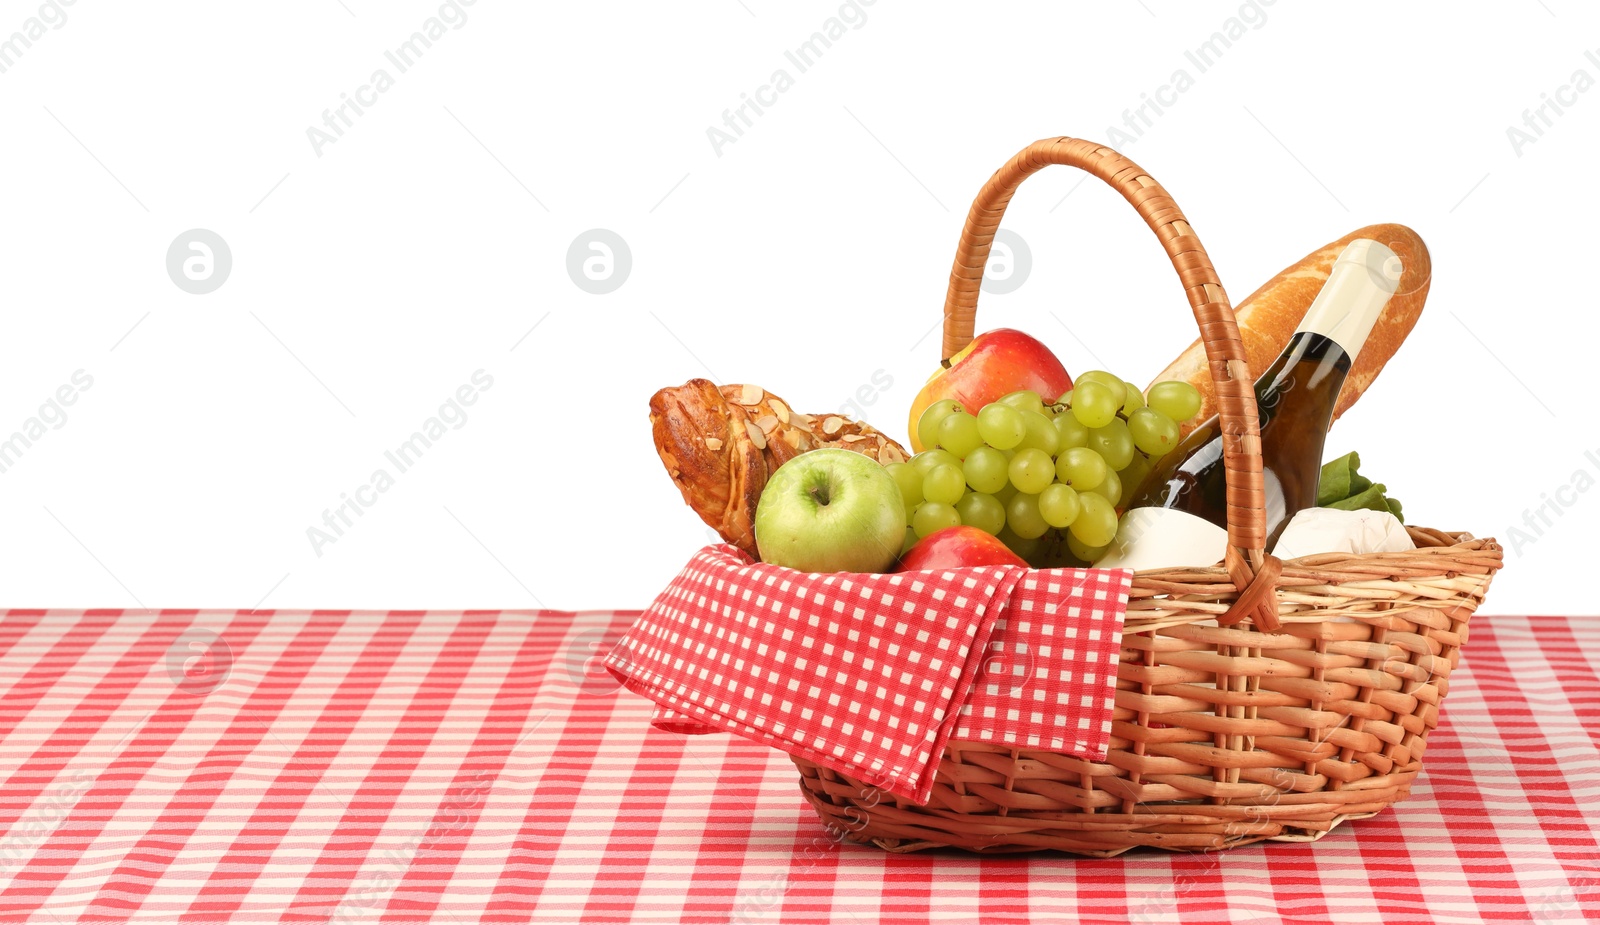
(1341, 486)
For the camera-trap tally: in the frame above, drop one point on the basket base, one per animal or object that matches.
(907, 847)
(897, 830)
(1036, 817)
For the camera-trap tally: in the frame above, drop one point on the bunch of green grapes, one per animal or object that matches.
(1049, 479)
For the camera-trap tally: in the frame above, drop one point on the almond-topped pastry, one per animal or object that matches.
(720, 444)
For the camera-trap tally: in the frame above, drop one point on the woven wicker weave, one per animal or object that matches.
(1265, 700)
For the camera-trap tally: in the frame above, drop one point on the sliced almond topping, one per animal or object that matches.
(792, 438)
(832, 424)
(802, 421)
(750, 394)
(767, 423)
(780, 409)
(885, 454)
(756, 436)
(852, 438)
(713, 443)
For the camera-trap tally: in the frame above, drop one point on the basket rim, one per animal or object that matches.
(1307, 573)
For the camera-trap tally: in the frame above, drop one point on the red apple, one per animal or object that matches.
(996, 363)
(957, 547)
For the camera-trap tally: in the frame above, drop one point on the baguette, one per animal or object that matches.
(1268, 318)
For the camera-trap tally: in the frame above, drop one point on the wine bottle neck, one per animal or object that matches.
(1312, 362)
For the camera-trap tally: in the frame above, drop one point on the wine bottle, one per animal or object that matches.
(1295, 398)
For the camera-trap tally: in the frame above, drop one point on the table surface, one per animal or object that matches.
(480, 766)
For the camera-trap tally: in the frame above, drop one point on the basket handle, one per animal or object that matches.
(1219, 331)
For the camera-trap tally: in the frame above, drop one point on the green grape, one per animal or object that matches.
(982, 511)
(932, 417)
(1093, 374)
(958, 433)
(944, 484)
(1031, 471)
(931, 516)
(1070, 432)
(910, 482)
(1177, 400)
(1023, 400)
(1093, 404)
(910, 541)
(1097, 522)
(1153, 432)
(1111, 488)
(1089, 554)
(1059, 505)
(1114, 443)
(1007, 491)
(986, 469)
(1026, 547)
(1133, 478)
(1000, 426)
(1082, 468)
(1024, 519)
(927, 459)
(1113, 384)
(1041, 433)
(1133, 400)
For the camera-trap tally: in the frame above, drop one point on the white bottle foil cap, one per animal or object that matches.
(1359, 285)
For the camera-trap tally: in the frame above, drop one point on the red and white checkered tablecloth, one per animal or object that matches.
(481, 766)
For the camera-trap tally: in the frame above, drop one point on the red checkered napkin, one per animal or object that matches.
(1049, 678)
(865, 674)
(861, 673)
(1048, 675)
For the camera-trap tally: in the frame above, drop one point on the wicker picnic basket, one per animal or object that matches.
(1265, 700)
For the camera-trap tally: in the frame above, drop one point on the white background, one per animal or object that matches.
(369, 282)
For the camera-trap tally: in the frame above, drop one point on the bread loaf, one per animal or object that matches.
(720, 443)
(1268, 318)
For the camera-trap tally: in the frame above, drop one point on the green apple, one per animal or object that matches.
(831, 510)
